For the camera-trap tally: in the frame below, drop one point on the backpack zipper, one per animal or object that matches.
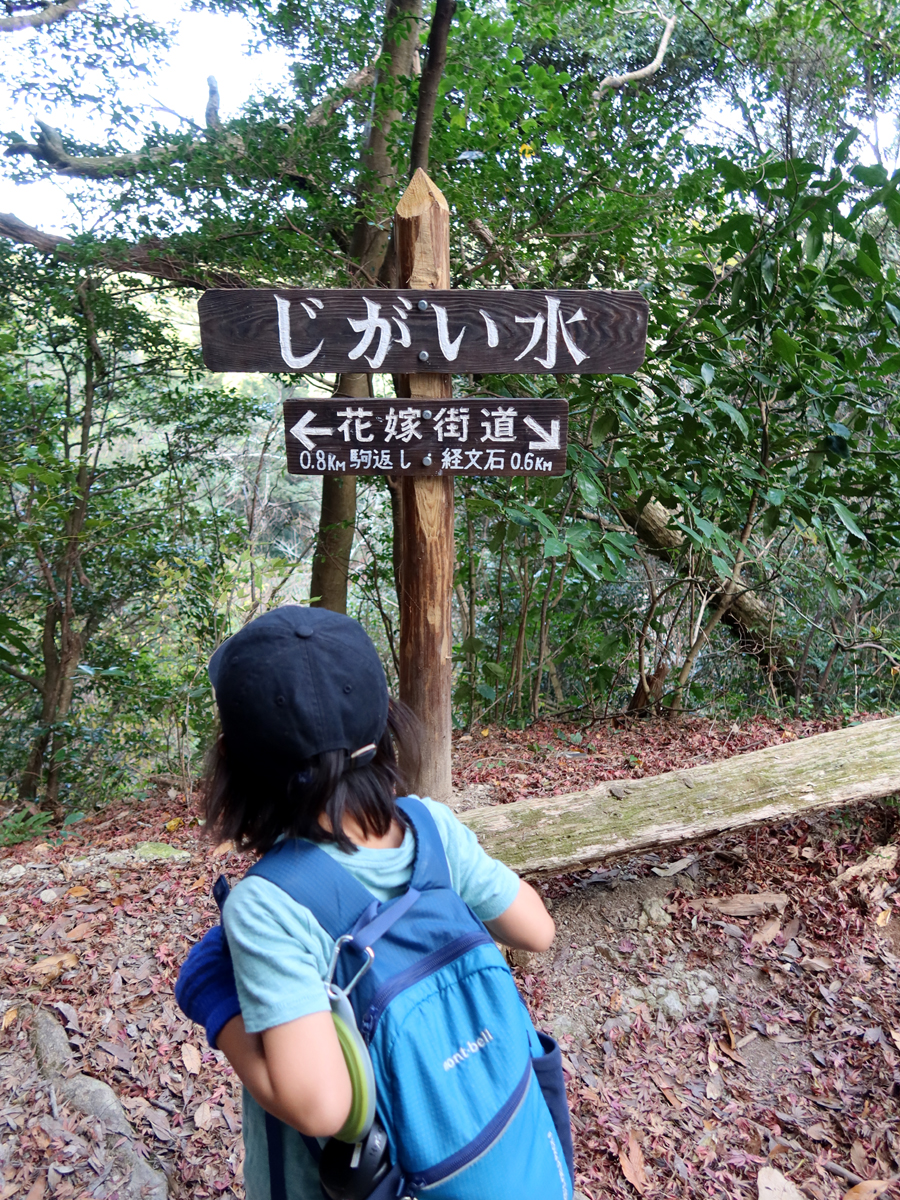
(442, 1171)
(419, 970)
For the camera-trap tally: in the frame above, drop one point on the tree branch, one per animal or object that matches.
(355, 82)
(49, 149)
(25, 678)
(212, 104)
(430, 82)
(143, 258)
(48, 14)
(617, 81)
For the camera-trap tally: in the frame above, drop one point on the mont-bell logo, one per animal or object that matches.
(470, 1048)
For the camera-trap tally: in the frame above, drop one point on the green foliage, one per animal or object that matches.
(145, 513)
(23, 826)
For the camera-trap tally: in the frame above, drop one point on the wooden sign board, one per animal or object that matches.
(406, 332)
(477, 435)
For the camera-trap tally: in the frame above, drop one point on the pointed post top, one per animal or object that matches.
(422, 236)
(421, 195)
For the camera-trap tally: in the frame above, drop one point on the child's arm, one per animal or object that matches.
(295, 1071)
(526, 924)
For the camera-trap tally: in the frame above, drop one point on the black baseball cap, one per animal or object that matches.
(297, 682)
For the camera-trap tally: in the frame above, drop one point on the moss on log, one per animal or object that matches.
(633, 816)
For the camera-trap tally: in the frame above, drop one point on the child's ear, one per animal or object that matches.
(220, 745)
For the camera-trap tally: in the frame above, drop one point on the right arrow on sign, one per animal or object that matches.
(304, 432)
(550, 440)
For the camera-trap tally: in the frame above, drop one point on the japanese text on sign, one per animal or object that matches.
(527, 332)
(478, 436)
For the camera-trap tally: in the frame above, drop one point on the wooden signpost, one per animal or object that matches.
(422, 333)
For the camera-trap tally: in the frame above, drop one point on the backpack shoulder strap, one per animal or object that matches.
(315, 880)
(430, 868)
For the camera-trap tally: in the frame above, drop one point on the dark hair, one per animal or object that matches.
(253, 805)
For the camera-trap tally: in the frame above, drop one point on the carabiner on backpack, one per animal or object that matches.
(332, 966)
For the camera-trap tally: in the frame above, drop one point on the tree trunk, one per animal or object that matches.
(334, 542)
(642, 702)
(30, 779)
(748, 618)
(636, 816)
(337, 522)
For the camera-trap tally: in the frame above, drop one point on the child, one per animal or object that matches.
(307, 751)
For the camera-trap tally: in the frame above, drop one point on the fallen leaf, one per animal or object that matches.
(675, 868)
(203, 1116)
(78, 891)
(715, 1086)
(8, 1017)
(772, 1185)
(48, 969)
(748, 905)
(732, 1054)
(819, 1133)
(821, 962)
(895, 1034)
(80, 932)
(868, 1189)
(175, 823)
(632, 1160)
(881, 860)
(767, 932)
(37, 1189)
(883, 917)
(190, 1056)
(70, 1016)
(666, 1085)
(159, 1123)
(728, 1030)
(858, 1159)
(222, 849)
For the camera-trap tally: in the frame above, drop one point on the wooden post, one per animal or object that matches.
(422, 236)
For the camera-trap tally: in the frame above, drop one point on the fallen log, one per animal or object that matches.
(635, 816)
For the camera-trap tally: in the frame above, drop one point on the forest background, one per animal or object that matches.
(725, 539)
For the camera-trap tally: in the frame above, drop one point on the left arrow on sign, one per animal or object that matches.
(550, 440)
(304, 432)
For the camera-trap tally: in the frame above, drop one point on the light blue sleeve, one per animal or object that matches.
(280, 954)
(487, 885)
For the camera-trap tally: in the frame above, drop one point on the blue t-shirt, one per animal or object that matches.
(281, 955)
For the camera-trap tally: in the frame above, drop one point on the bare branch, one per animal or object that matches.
(143, 258)
(49, 149)
(47, 14)
(515, 273)
(617, 81)
(355, 82)
(212, 104)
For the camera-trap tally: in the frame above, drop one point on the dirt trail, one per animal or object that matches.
(701, 1045)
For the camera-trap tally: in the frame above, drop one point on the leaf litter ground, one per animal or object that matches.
(723, 1011)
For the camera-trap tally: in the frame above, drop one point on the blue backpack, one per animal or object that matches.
(472, 1098)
